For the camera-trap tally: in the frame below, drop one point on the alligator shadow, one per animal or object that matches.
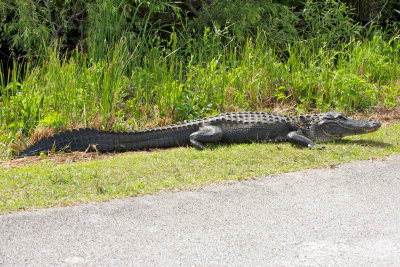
(370, 143)
(366, 143)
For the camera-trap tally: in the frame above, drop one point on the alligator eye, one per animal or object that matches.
(340, 116)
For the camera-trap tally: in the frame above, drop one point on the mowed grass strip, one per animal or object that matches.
(48, 184)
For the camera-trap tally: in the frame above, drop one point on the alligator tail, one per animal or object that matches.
(78, 140)
(94, 140)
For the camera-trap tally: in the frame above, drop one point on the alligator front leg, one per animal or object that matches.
(206, 134)
(301, 140)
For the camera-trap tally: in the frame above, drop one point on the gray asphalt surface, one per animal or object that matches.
(347, 216)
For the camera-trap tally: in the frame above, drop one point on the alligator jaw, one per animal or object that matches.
(340, 128)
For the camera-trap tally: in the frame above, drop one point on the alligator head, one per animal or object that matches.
(334, 126)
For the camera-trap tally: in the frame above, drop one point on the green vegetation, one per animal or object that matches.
(47, 184)
(121, 65)
(132, 64)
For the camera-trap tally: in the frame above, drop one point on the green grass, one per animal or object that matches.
(60, 92)
(47, 184)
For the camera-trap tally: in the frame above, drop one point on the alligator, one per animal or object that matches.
(235, 127)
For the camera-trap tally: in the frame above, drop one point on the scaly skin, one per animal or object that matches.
(235, 127)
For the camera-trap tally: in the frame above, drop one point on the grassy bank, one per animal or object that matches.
(62, 92)
(48, 184)
(121, 65)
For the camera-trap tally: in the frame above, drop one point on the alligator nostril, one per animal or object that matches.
(377, 123)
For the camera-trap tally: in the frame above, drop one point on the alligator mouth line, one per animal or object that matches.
(367, 130)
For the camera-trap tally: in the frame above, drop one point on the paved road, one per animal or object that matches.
(343, 216)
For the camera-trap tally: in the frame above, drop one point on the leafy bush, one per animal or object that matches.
(242, 19)
(328, 22)
(97, 25)
(30, 26)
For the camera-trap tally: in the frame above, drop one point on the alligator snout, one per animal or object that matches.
(375, 124)
(369, 126)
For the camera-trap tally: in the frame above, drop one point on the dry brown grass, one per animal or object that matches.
(57, 158)
(40, 134)
(384, 115)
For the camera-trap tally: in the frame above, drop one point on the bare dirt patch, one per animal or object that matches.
(57, 158)
(384, 115)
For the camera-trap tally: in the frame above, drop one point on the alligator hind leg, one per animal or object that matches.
(206, 134)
